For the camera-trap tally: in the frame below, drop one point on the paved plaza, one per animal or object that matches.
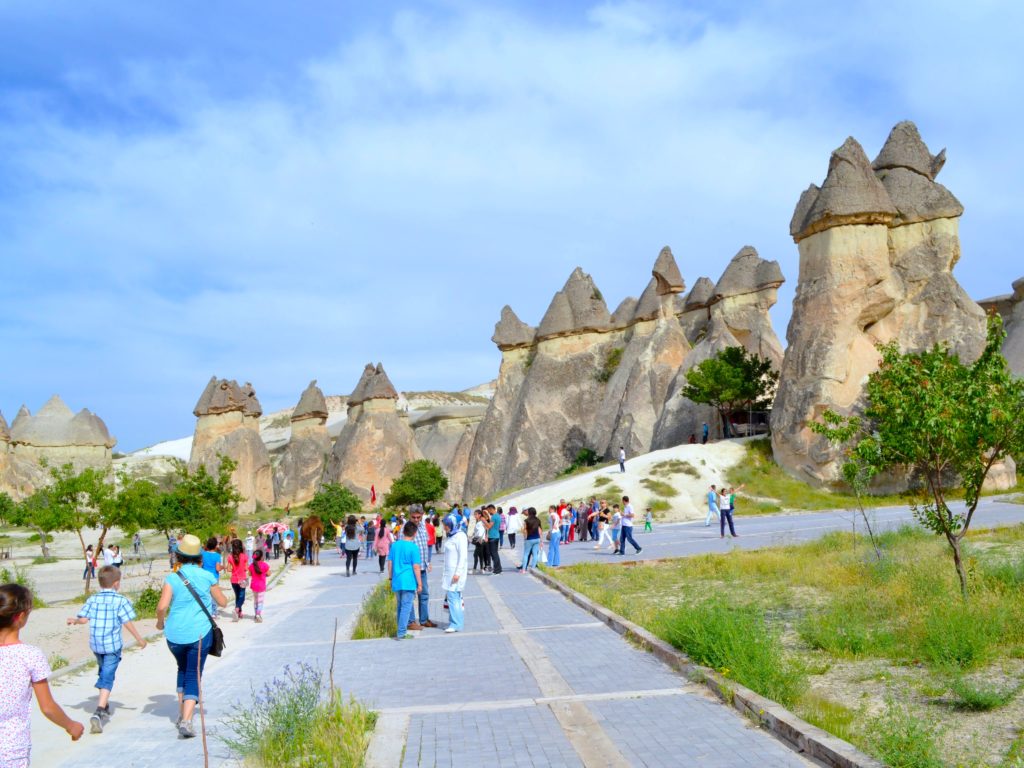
(533, 681)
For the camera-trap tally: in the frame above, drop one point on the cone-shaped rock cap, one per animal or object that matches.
(851, 194)
(511, 332)
(649, 306)
(252, 403)
(380, 386)
(577, 308)
(312, 404)
(906, 149)
(5, 432)
(21, 417)
(1018, 289)
(666, 272)
(747, 273)
(623, 314)
(700, 295)
(55, 425)
(359, 393)
(220, 396)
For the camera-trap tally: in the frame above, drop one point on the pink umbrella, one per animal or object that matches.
(273, 528)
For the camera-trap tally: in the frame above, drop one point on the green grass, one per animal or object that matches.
(901, 740)
(659, 505)
(609, 492)
(40, 560)
(378, 615)
(57, 661)
(659, 487)
(602, 481)
(830, 716)
(293, 721)
(739, 643)
(675, 467)
(18, 575)
(981, 697)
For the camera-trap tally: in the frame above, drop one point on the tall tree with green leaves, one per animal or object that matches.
(201, 503)
(80, 501)
(39, 513)
(732, 381)
(421, 481)
(335, 502)
(931, 415)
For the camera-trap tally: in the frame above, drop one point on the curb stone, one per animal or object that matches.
(131, 644)
(807, 739)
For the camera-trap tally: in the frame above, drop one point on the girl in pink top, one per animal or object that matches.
(258, 570)
(23, 670)
(382, 544)
(238, 562)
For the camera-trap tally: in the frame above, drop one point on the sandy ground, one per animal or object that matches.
(145, 677)
(711, 462)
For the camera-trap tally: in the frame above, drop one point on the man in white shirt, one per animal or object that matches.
(622, 459)
(626, 532)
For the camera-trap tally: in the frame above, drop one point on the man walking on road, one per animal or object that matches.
(622, 459)
(626, 532)
(493, 537)
(712, 506)
(416, 516)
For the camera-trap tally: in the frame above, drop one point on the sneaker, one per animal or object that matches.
(185, 730)
(407, 637)
(95, 724)
(177, 723)
(450, 631)
(259, 619)
(639, 550)
(415, 626)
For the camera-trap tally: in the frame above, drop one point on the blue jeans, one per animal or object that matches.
(424, 597)
(239, 591)
(554, 556)
(627, 535)
(455, 612)
(726, 516)
(107, 663)
(404, 598)
(531, 547)
(369, 549)
(191, 658)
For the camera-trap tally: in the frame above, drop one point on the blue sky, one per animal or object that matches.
(279, 192)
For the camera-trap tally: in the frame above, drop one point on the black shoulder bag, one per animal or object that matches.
(217, 646)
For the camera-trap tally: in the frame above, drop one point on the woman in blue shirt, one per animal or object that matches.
(188, 630)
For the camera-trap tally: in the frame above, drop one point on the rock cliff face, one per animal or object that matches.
(730, 313)
(298, 474)
(1011, 309)
(445, 435)
(228, 423)
(54, 435)
(877, 243)
(587, 379)
(376, 441)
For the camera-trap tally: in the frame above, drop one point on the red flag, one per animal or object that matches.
(373, 495)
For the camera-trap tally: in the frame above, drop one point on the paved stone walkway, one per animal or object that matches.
(534, 680)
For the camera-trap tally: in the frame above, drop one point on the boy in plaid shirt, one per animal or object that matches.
(105, 613)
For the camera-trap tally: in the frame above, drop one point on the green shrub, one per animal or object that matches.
(603, 480)
(611, 364)
(675, 467)
(40, 560)
(585, 458)
(289, 722)
(145, 602)
(18, 575)
(57, 661)
(659, 487)
(659, 505)
(378, 615)
(845, 628)
(739, 643)
(901, 740)
(959, 635)
(979, 697)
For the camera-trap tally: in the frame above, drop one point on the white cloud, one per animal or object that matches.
(387, 202)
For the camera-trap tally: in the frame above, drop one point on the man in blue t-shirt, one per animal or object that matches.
(404, 562)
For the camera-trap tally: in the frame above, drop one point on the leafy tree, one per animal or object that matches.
(335, 502)
(7, 506)
(930, 414)
(137, 500)
(37, 512)
(420, 482)
(857, 471)
(80, 501)
(202, 503)
(732, 381)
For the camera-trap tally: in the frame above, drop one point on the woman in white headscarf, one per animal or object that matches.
(456, 566)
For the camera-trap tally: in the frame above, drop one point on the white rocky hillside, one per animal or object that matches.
(687, 470)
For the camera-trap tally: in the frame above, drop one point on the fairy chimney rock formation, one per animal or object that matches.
(877, 243)
(1011, 308)
(511, 332)
(5, 435)
(301, 468)
(58, 436)
(227, 423)
(376, 441)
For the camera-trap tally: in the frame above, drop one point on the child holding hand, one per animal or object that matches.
(23, 671)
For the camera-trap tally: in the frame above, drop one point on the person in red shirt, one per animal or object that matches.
(431, 536)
